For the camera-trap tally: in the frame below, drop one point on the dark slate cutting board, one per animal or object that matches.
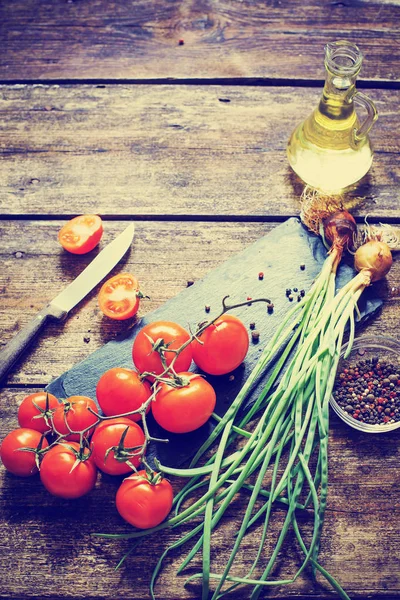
(279, 255)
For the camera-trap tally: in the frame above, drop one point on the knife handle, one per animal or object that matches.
(13, 350)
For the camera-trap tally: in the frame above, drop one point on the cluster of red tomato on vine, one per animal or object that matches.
(68, 441)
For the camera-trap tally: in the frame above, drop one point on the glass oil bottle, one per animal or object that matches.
(330, 150)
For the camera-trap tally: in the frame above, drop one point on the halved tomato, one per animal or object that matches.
(81, 234)
(119, 297)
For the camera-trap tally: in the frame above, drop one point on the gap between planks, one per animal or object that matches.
(186, 218)
(223, 81)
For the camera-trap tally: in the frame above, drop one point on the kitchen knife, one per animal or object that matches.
(60, 306)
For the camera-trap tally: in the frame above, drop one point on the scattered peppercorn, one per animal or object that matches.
(295, 290)
(302, 266)
(189, 283)
(369, 391)
(86, 339)
(255, 336)
(302, 293)
(270, 308)
(252, 325)
(207, 308)
(298, 298)
(288, 292)
(261, 275)
(181, 42)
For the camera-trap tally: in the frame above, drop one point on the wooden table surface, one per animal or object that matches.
(102, 110)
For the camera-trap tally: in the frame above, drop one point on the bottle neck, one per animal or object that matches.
(340, 86)
(337, 96)
(342, 63)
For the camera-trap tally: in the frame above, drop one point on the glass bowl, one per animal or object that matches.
(368, 347)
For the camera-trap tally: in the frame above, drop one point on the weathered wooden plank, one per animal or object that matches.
(164, 150)
(222, 39)
(165, 256)
(49, 536)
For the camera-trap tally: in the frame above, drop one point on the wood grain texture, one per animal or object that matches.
(164, 257)
(171, 150)
(50, 537)
(139, 39)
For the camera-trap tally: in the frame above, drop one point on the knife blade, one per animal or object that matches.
(60, 306)
(100, 266)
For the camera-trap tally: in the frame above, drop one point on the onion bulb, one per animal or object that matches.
(374, 257)
(340, 229)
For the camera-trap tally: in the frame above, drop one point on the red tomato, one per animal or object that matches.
(119, 297)
(108, 435)
(120, 391)
(142, 503)
(32, 411)
(147, 359)
(81, 234)
(225, 345)
(21, 462)
(58, 476)
(184, 409)
(75, 412)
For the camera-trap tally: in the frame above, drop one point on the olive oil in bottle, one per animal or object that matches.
(330, 150)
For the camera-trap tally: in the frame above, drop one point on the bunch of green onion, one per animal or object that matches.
(290, 439)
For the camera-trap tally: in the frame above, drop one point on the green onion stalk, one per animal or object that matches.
(308, 419)
(373, 261)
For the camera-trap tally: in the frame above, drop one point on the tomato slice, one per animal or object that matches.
(119, 297)
(81, 234)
